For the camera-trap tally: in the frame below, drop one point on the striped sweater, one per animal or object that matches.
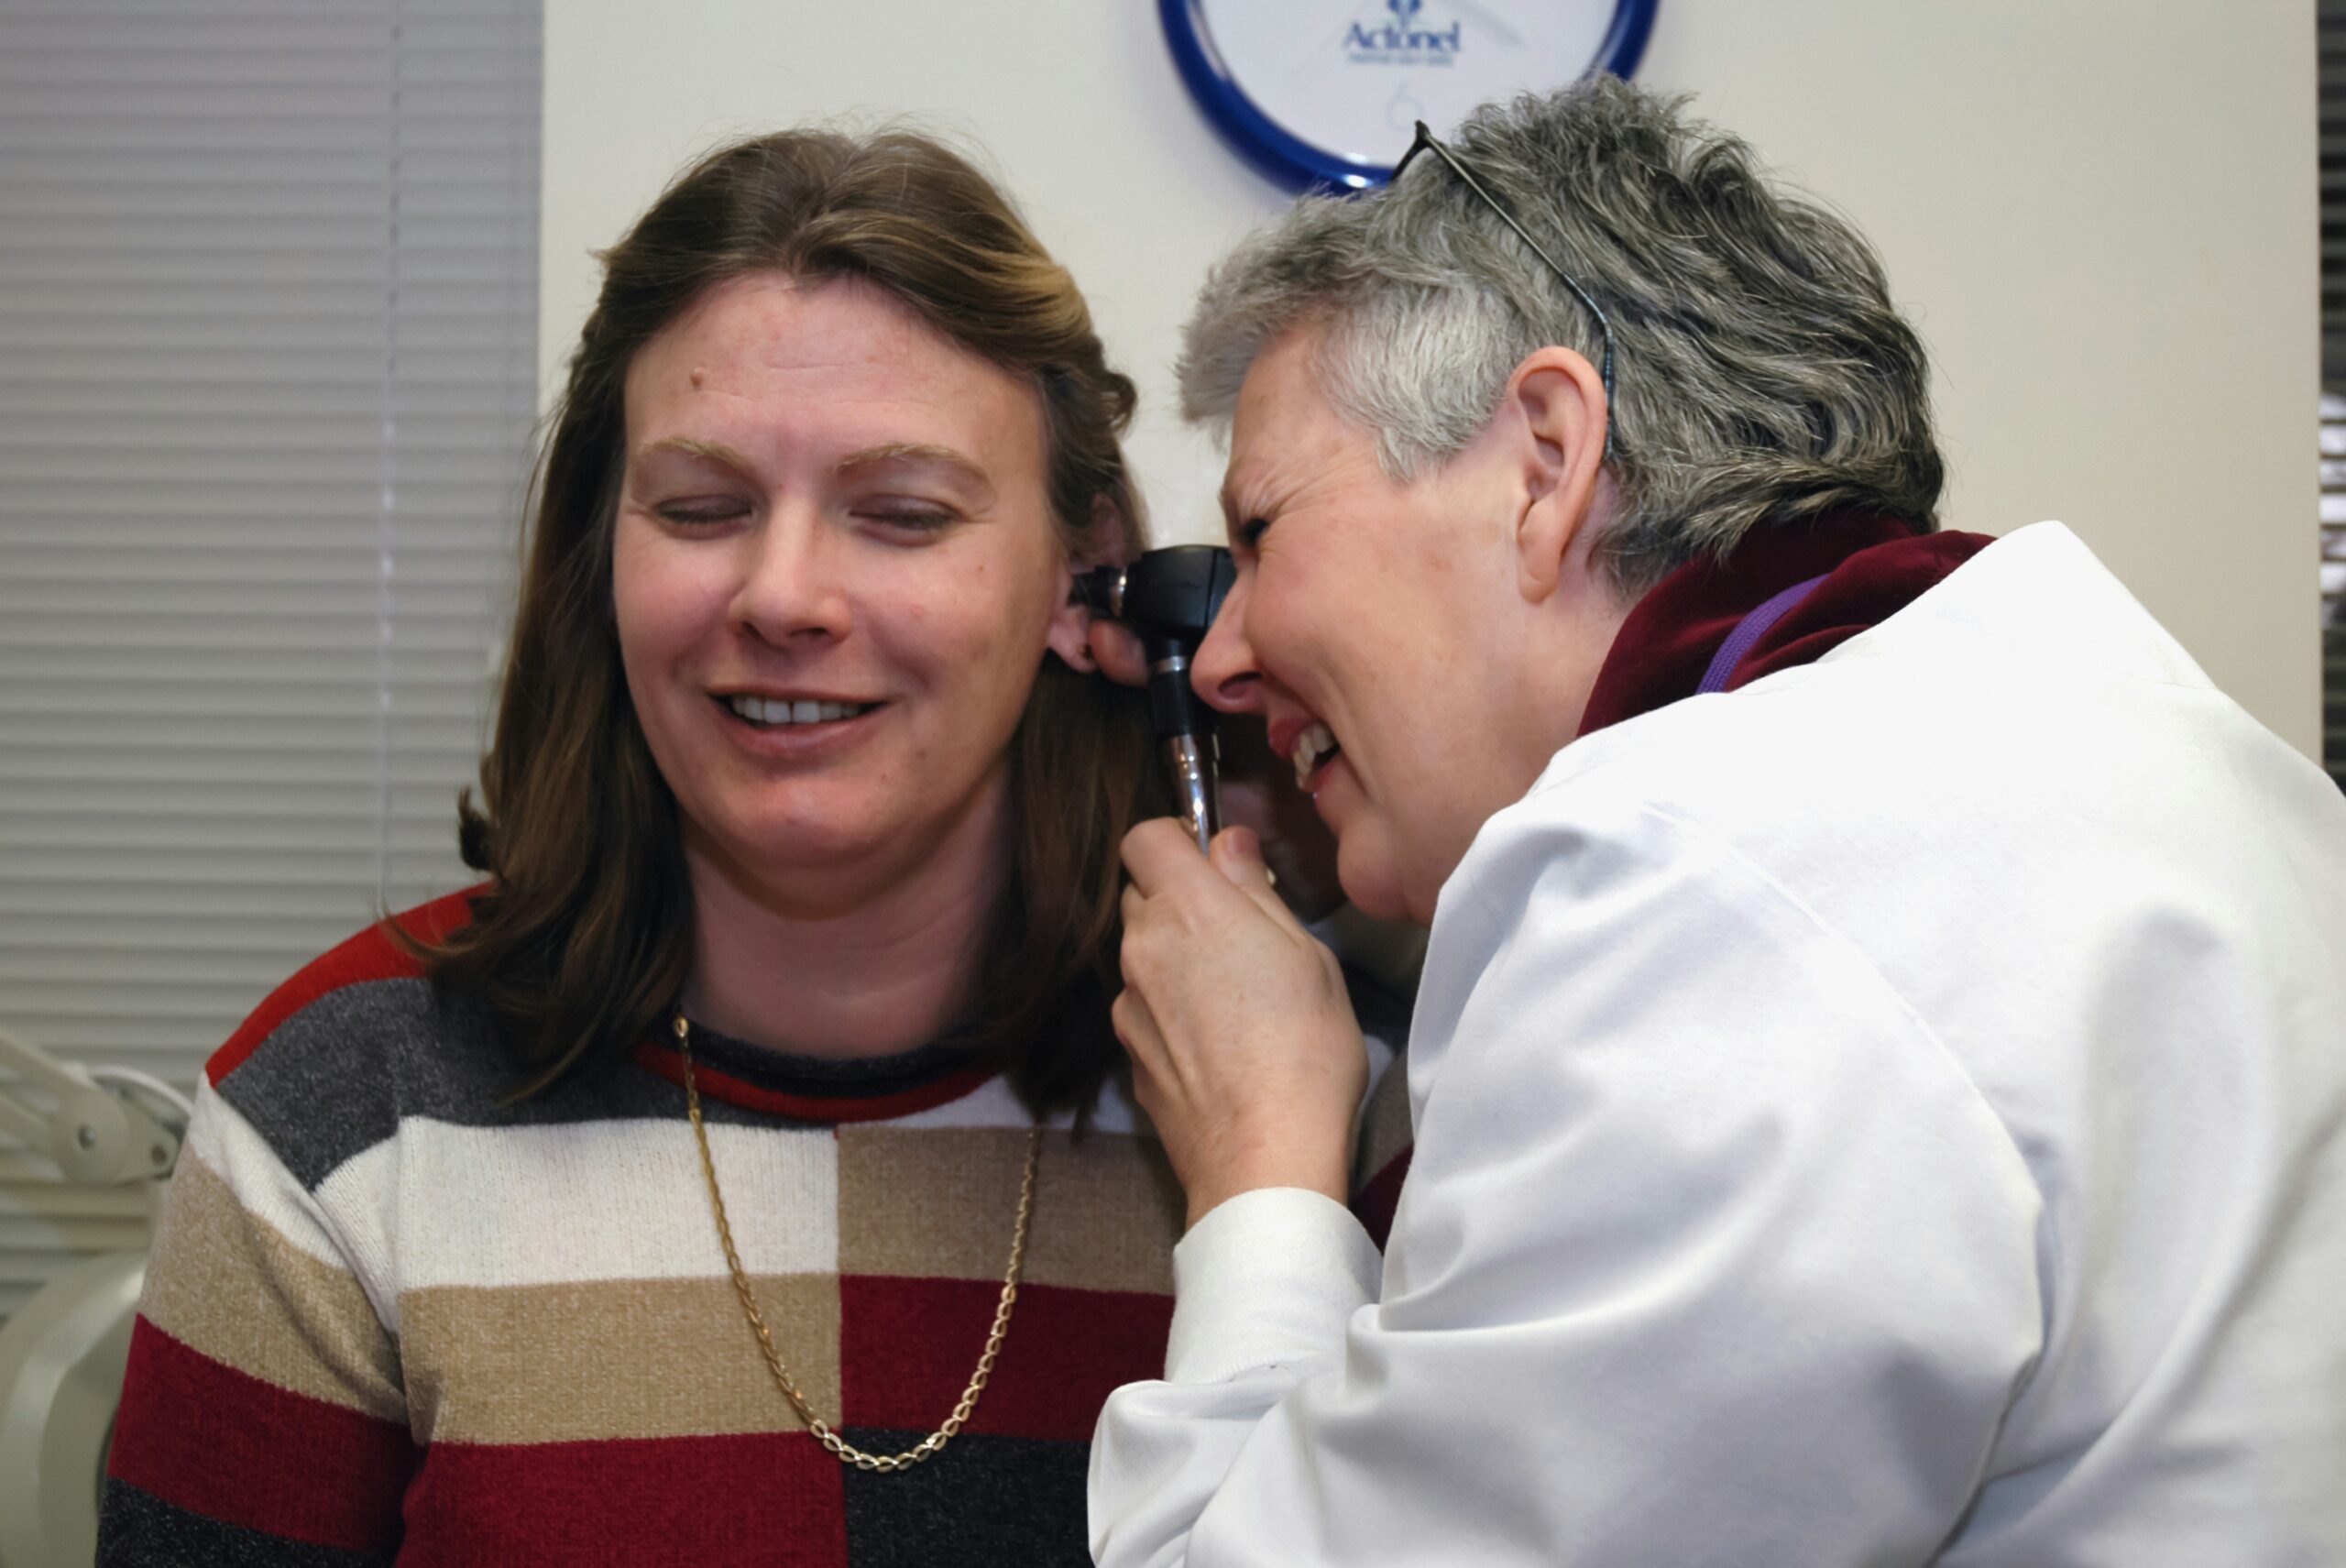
(389, 1321)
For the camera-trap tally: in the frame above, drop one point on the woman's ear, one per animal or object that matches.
(1107, 539)
(1071, 633)
(1559, 398)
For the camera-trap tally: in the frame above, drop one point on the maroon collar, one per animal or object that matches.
(1872, 566)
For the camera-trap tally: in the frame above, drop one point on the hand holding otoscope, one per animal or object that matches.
(1169, 597)
(1268, 999)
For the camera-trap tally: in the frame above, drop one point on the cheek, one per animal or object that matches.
(661, 606)
(632, 613)
(953, 659)
(983, 624)
(991, 665)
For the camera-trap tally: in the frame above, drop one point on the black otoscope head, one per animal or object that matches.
(1169, 599)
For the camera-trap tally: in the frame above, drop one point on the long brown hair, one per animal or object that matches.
(583, 940)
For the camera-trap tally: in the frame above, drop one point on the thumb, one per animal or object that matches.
(1237, 854)
(1118, 653)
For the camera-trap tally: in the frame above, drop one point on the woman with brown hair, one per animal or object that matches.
(705, 1185)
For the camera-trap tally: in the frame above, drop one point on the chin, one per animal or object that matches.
(1371, 882)
(765, 847)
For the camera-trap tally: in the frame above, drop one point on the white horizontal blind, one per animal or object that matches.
(2333, 583)
(2331, 36)
(268, 307)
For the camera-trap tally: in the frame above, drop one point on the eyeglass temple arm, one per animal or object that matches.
(1603, 323)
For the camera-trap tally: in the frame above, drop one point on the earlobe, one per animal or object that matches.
(1559, 398)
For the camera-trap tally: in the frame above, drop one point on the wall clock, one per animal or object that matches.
(1326, 91)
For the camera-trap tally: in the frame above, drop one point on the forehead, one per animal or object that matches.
(773, 366)
(1284, 435)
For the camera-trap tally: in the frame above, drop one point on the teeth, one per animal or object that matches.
(758, 710)
(1310, 747)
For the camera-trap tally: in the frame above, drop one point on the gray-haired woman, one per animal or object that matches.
(1875, 1081)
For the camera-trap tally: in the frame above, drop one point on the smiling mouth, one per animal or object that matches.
(1313, 749)
(769, 713)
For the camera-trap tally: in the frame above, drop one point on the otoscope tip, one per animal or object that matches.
(1102, 590)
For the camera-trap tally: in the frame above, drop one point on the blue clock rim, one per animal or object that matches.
(1286, 157)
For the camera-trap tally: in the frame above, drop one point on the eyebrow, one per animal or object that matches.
(708, 450)
(1234, 516)
(906, 452)
(915, 453)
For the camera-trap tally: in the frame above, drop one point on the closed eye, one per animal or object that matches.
(699, 513)
(1251, 532)
(912, 517)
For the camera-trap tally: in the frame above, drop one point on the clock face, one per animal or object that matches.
(1329, 91)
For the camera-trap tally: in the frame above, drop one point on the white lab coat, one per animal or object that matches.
(1890, 1114)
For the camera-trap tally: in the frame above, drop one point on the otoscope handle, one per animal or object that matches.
(1169, 599)
(1184, 725)
(1189, 764)
(1174, 706)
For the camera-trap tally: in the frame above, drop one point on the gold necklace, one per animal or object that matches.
(838, 1446)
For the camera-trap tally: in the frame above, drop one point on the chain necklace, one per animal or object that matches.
(822, 1431)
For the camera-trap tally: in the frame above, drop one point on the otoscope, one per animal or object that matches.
(1169, 599)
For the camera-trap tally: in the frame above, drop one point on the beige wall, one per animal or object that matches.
(2101, 216)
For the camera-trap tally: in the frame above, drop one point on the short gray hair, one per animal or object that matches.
(1761, 374)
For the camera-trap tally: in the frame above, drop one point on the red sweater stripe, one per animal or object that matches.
(906, 1348)
(667, 1062)
(215, 1442)
(755, 1498)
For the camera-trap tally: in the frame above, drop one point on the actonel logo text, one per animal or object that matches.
(1397, 42)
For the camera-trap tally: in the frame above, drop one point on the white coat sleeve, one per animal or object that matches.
(1709, 1253)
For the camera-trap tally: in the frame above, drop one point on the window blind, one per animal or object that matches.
(268, 309)
(2333, 583)
(2330, 52)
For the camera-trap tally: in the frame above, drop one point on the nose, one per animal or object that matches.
(1224, 672)
(793, 589)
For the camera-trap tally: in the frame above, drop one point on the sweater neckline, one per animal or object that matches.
(821, 1089)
